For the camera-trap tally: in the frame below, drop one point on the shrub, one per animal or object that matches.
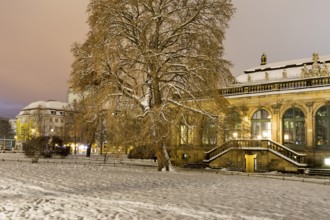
(141, 152)
(62, 150)
(34, 146)
(45, 146)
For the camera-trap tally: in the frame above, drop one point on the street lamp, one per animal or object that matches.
(33, 131)
(235, 134)
(49, 144)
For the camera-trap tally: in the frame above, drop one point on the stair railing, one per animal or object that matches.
(267, 144)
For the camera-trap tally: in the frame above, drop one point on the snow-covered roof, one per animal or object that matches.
(275, 71)
(55, 105)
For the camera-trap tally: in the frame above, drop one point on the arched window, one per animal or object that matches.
(261, 126)
(322, 124)
(187, 133)
(293, 127)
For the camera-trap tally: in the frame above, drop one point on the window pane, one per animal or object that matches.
(183, 134)
(261, 126)
(257, 115)
(256, 130)
(294, 127)
(265, 114)
(322, 112)
(261, 114)
(298, 113)
(209, 132)
(322, 123)
(190, 135)
(321, 131)
(289, 113)
(300, 133)
(266, 132)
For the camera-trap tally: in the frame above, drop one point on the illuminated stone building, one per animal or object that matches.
(284, 111)
(43, 118)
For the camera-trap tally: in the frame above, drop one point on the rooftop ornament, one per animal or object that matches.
(263, 59)
(315, 57)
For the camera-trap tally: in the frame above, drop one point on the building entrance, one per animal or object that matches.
(250, 163)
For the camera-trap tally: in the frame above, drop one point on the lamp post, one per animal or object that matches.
(51, 135)
(50, 142)
(235, 134)
(35, 146)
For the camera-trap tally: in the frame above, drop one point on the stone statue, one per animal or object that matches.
(304, 72)
(263, 59)
(325, 70)
(266, 76)
(315, 57)
(315, 71)
(249, 78)
(284, 74)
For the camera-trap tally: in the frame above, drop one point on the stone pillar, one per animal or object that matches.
(309, 123)
(276, 123)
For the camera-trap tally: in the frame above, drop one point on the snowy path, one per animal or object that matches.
(62, 191)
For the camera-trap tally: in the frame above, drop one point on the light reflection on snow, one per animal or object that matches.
(62, 191)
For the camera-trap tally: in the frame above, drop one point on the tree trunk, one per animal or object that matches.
(88, 151)
(163, 158)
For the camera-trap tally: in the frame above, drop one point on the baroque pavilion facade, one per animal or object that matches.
(285, 120)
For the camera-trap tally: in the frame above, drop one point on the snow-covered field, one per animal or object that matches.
(75, 191)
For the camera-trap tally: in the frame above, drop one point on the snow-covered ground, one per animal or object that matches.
(94, 191)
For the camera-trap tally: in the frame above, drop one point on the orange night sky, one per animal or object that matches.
(36, 37)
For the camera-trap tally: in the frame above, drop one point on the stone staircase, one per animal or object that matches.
(298, 159)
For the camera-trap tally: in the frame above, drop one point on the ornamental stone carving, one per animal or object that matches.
(284, 74)
(263, 59)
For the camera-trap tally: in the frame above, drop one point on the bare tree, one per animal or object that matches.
(40, 128)
(40, 123)
(73, 124)
(158, 57)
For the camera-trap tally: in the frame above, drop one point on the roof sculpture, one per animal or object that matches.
(316, 66)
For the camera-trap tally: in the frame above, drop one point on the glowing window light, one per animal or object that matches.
(327, 161)
(265, 134)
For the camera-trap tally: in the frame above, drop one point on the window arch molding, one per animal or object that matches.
(284, 110)
(317, 107)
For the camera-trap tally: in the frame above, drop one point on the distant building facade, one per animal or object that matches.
(43, 118)
(7, 134)
(284, 120)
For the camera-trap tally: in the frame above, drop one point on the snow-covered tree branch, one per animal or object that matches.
(146, 52)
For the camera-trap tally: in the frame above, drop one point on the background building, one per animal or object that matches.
(284, 112)
(7, 134)
(44, 118)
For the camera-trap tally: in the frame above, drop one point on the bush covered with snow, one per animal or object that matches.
(45, 146)
(141, 152)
